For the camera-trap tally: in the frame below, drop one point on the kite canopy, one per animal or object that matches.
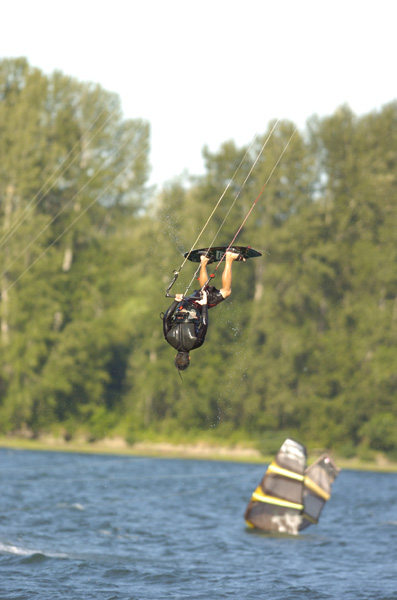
(290, 496)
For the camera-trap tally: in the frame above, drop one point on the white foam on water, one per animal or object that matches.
(287, 523)
(10, 549)
(20, 551)
(74, 506)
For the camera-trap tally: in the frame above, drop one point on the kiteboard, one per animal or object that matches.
(218, 253)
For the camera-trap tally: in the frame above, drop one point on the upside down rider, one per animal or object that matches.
(185, 322)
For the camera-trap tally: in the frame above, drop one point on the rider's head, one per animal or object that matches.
(182, 361)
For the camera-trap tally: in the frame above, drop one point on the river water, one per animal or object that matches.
(81, 527)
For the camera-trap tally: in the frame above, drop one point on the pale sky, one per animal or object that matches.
(206, 72)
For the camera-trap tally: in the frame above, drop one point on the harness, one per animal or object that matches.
(186, 312)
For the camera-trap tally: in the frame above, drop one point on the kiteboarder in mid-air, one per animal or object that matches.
(185, 322)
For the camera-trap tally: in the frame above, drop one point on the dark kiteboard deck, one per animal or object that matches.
(217, 253)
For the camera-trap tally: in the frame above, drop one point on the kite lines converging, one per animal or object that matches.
(177, 272)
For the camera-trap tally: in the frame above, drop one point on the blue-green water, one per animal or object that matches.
(75, 526)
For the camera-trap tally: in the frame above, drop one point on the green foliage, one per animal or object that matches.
(304, 347)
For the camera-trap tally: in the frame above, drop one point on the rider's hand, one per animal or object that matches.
(203, 299)
(179, 297)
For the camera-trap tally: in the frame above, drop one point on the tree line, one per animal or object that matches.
(305, 346)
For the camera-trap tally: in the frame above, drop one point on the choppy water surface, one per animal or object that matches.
(75, 526)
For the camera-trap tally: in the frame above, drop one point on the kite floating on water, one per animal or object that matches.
(291, 496)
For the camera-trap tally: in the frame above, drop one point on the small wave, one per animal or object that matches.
(36, 557)
(118, 536)
(74, 506)
(117, 573)
(30, 553)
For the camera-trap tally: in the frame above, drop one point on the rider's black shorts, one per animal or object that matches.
(214, 296)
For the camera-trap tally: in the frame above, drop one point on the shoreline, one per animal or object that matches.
(194, 451)
(118, 446)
